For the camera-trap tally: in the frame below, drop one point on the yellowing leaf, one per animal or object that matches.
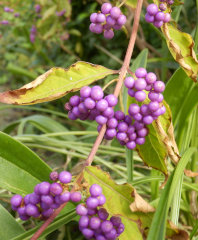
(131, 3)
(181, 45)
(56, 83)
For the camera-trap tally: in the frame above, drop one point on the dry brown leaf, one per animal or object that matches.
(140, 205)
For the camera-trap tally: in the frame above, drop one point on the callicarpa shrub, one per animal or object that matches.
(94, 184)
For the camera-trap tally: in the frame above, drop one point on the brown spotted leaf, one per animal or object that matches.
(56, 83)
(181, 45)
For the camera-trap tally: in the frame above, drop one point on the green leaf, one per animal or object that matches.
(9, 228)
(56, 83)
(177, 90)
(118, 201)
(131, 3)
(181, 45)
(158, 225)
(140, 61)
(44, 124)
(30, 169)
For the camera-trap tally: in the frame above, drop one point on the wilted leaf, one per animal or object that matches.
(56, 83)
(140, 205)
(181, 45)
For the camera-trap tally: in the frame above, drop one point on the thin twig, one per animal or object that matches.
(98, 141)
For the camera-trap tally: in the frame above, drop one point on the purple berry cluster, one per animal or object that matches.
(130, 130)
(46, 197)
(108, 19)
(91, 105)
(94, 223)
(157, 16)
(7, 9)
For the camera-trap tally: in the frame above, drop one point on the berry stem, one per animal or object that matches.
(118, 88)
(122, 73)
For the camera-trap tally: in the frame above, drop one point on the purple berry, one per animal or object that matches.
(110, 21)
(97, 93)
(131, 130)
(159, 16)
(92, 212)
(89, 103)
(131, 92)
(120, 228)
(111, 133)
(115, 12)
(167, 17)
(153, 106)
(27, 197)
(102, 105)
(84, 221)
(92, 202)
(122, 127)
(103, 214)
(117, 27)
(71, 116)
(106, 226)
(152, 9)
(56, 189)
(170, 2)
(142, 132)
(138, 125)
(65, 177)
(101, 120)
(102, 200)
(31, 210)
(133, 109)
(112, 100)
(98, 28)
(106, 8)
(81, 210)
(54, 176)
(131, 145)
(140, 73)
(93, 17)
(121, 136)
(47, 213)
(88, 233)
(153, 96)
(147, 120)
(163, 110)
(101, 18)
(94, 223)
(151, 77)
(95, 190)
(34, 198)
(158, 24)
(132, 136)
(129, 82)
(149, 18)
(112, 123)
(128, 119)
(121, 19)
(159, 86)
(44, 188)
(85, 92)
(100, 237)
(162, 7)
(109, 112)
(137, 117)
(92, 27)
(112, 234)
(140, 96)
(140, 141)
(119, 115)
(82, 108)
(108, 34)
(47, 199)
(16, 200)
(140, 84)
(75, 197)
(21, 211)
(116, 221)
